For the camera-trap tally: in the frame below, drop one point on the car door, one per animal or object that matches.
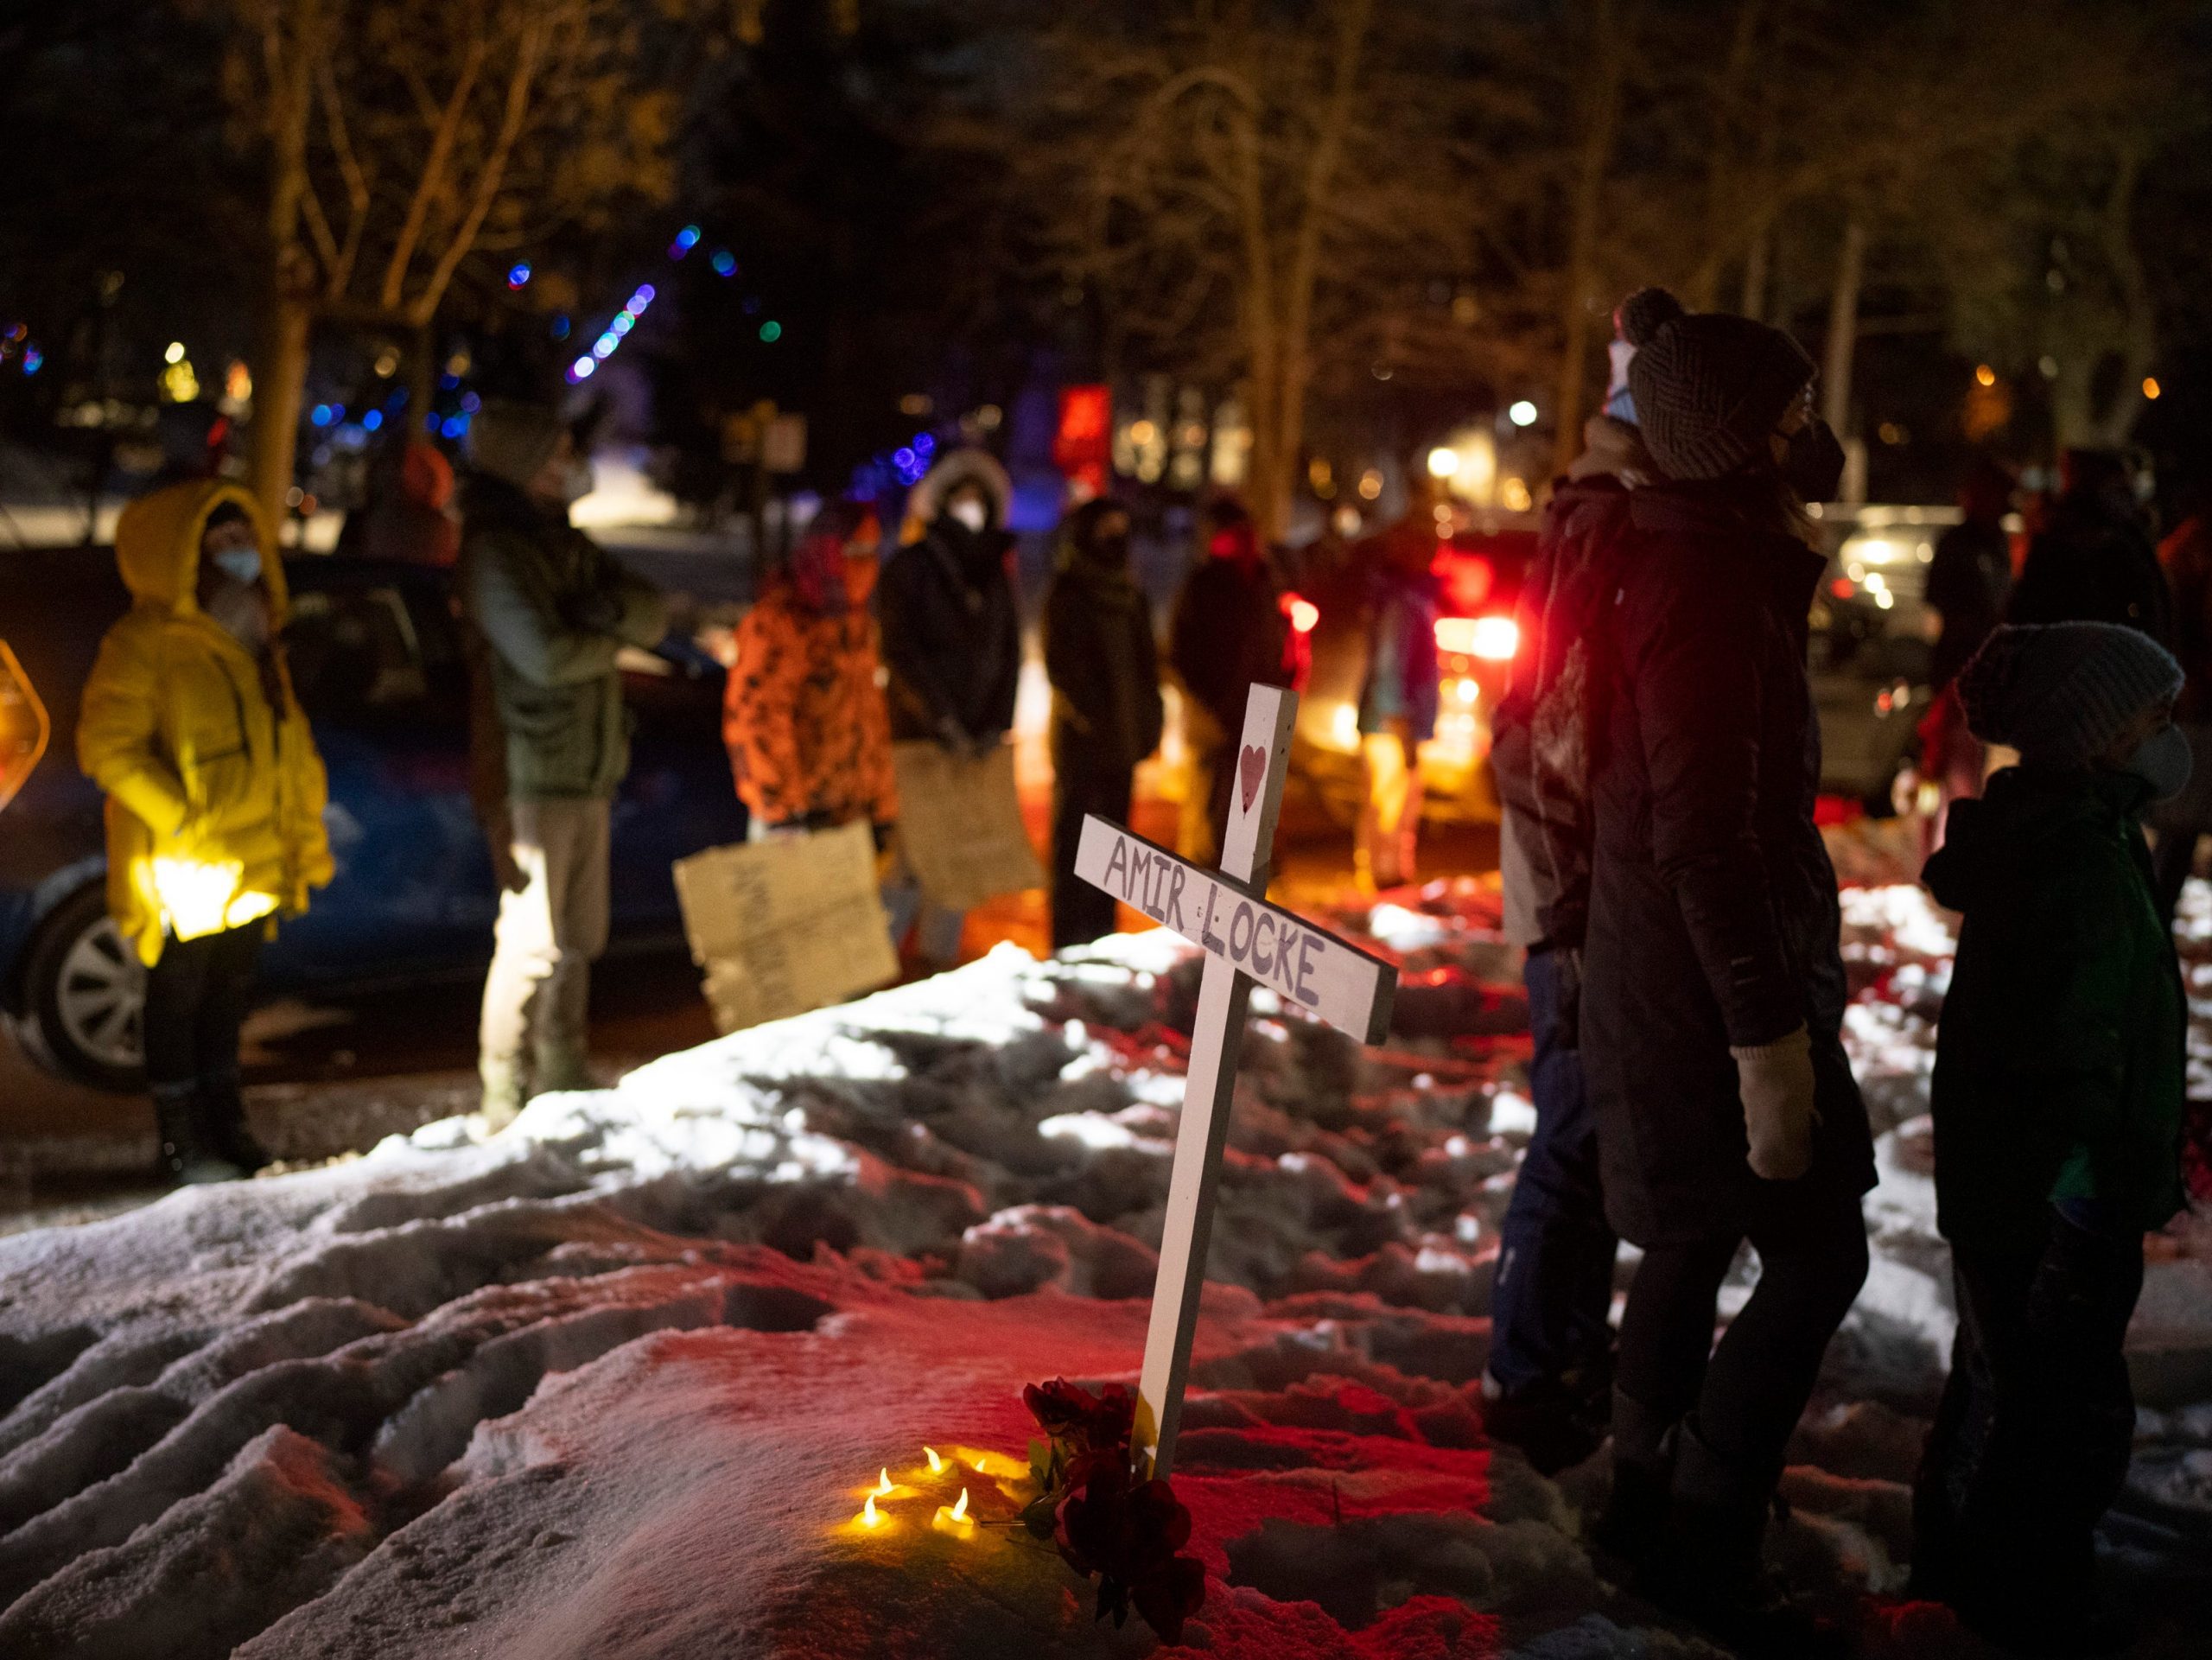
(677, 798)
(375, 663)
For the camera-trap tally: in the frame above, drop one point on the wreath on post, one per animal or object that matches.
(1106, 1523)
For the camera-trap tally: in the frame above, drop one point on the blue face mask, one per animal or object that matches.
(239, 564)
(2162, 762)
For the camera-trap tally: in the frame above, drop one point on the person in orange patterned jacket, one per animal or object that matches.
(803, 718)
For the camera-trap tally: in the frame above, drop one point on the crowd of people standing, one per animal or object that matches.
(1657, 757)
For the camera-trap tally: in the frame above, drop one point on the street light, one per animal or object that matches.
(1443, 461)
(1522, 414)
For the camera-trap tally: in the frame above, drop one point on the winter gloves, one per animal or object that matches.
(1776, 1082)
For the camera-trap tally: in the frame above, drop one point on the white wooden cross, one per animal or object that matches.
(1247, 942)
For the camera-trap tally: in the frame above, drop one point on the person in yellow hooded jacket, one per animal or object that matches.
(215, 797)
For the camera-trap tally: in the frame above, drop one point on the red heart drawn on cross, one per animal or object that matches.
(1252, 766)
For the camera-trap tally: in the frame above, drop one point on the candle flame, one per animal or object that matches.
(883, 1482)
(960, 1510)
(937, 1464)
(869, 1517)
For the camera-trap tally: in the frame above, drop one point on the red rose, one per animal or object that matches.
(1086, 1422)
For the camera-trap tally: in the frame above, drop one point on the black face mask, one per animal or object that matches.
(1814, 465)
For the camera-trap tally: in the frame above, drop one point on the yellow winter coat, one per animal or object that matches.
(215, 800)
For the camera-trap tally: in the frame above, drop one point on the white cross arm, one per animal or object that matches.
(1306, 967)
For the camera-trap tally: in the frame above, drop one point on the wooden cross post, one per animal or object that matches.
(1246, 942)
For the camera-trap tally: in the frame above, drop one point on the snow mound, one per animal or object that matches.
(616, 1383)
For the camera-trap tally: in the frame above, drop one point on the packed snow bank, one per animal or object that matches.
(615, 1383)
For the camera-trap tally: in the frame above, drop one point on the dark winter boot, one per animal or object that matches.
(1547, 1419)
(1634, 1516)
(1634, 1521)
(186, 1155)
(1707, 1568)
(222, 1121)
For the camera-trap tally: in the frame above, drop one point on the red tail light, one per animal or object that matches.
(1302, 611)
(24, 726)
(1465, 578)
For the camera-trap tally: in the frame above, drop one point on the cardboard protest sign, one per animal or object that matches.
(1246, 942)
(960, 824)
(786, 925)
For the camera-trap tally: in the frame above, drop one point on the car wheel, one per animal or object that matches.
(85, 997)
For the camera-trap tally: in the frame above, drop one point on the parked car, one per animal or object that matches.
(376, 655)
(1873, 641)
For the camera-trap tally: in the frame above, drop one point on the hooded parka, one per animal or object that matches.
(1713, 918)
(215, 797)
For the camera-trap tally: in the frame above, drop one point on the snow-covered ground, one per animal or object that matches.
(614, 1383)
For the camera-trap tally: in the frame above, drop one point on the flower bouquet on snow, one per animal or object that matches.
(1106, 1523)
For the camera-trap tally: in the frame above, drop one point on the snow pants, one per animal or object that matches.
(196, 1001)
(1081, 912)
(1553, 1295)
(534, 1034)
(1728, 1409)
(1205, 818)
(2031, 1440)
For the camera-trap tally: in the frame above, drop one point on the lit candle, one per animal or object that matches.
(953, 1518)
(937, 1464)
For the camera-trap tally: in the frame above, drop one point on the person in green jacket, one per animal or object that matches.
(2057, 1102)
(552, 610)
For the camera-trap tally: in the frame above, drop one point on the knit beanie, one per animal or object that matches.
(2060, 692)
(1635, 319)
(1640, 317)
(1709, 388)
(512, 440)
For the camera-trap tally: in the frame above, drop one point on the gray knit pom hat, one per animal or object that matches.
(2060, 692)
(1709, 388)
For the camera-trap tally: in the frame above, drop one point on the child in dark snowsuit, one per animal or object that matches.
(2057, 1102)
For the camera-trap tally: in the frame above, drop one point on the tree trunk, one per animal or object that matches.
(1723, 157)
(1755, 263)
(279, 381)
(1601, 118)
(1842, 346)
(422, 379)
(1843, 327)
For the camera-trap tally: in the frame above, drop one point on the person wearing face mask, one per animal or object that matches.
(2057, 1100)
(803, 719)
(214, 797)
(1548, 1386)
(550, 610)
(952, 642)
(1104, 669)
(1713, 990)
